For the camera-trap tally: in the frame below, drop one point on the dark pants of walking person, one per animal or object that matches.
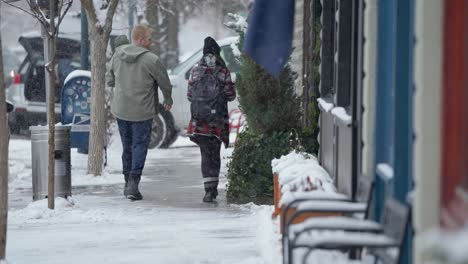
(135, 140)
(210, 148)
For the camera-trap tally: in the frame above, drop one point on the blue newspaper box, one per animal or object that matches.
(76, 107)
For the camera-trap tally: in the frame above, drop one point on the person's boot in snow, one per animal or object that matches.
(133, 192)
(125, 192)
(210, 195)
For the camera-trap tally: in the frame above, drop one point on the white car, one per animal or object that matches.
(167, 126)
(27, 89)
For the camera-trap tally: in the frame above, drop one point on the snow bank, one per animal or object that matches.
(76, 210)
(445, 246)
(301, 172)
(268, 236)
(39, 210)
(98, 227)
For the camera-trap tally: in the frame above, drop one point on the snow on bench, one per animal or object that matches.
(332, 206)
(335, 223)
(324, 239)
(301, 172)
(288, 197)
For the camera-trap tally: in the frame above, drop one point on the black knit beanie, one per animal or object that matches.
(211, 47)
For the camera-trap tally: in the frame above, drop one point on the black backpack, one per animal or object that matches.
(207, 96)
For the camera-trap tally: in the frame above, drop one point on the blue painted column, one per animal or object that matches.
(404, 101)
(403, 156)
(385, 83)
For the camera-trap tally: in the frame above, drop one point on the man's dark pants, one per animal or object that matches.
(135, 140)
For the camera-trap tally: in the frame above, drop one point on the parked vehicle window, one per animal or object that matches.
(188, 63)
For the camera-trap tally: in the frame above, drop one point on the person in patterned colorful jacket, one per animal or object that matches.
(209, 135)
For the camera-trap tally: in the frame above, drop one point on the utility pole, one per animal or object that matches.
(84, 41)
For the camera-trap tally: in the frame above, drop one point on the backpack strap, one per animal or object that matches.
(200, 71)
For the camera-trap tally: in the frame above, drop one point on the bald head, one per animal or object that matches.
(141, 35)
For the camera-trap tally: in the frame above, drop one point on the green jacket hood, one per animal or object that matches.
(130, 53)
(121, 40)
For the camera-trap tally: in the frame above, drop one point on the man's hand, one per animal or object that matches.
(167, 107)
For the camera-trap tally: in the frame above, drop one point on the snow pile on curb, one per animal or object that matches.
(268, 236)
(445, 246)
(301, 172)
(69, 211)
(39, 209)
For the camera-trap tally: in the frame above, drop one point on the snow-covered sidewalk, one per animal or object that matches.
(171, 225)
(109, 230)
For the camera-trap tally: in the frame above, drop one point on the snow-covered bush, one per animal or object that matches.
(250, 178)
(272, 110)
(269, 103)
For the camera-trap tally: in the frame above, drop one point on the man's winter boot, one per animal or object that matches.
(125, 192)
(133, 192)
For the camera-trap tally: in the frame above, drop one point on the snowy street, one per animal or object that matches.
(171, 224)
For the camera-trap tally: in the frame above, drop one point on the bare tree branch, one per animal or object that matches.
(61, 16)
(90, 10)
(20, 8)
(35, 12)
(163, 8)
(110, 15)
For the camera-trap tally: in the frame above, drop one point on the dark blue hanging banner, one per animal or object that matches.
(270, 33)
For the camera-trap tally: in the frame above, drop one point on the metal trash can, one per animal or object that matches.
(39, 153)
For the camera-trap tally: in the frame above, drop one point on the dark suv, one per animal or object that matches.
(27, 90)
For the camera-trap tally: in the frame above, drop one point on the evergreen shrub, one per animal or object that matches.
(250, 177)
(269, 103)
(272, 110)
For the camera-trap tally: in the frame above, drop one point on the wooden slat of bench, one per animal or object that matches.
(335, 223)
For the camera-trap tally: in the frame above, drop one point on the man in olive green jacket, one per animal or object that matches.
(135, 73)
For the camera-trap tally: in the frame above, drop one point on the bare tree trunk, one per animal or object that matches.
(3, 160)
(98, 112)
(172, 58)
(152, 16)
(49, 52)
(99, 36)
